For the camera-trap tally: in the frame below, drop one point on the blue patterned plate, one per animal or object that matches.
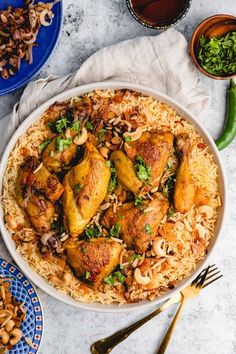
(23, 291)
(47, 40)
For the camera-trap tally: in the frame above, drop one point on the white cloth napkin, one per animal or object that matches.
(160, 62)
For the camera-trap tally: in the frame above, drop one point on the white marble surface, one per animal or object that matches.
(208, 323)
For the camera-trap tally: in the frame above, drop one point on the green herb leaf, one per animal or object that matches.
(113, 179)
(113, 277)
(217, 55)
(143, 171)
(115, 230)
(87, 274)
(109, 280)
(89, 126)
(134, 256)
(77, 187)
(127, 138)
(121, 216)
(44, 144)
(91, 232)
(61, 124)
(148, 229)
(63, 144)
(170, 213)
(51, 153)
(138, 202)
(101, 133)
(168, 188)
(75, 126)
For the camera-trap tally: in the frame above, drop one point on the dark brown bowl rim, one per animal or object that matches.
(192, 47)
(178, 19)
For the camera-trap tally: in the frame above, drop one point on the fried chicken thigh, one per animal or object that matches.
(155, 149)
(40, 211)
(93, 260)
(36, 176)
(85, 188)
(137, 227)
(184, 193)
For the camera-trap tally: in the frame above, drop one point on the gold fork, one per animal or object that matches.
(205, 278)
(105, 346)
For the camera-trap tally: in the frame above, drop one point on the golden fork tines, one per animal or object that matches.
(106, 345)
(205, 278)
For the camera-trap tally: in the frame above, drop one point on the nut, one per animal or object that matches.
(11, 223)
(80, 139)
(206, 210)
(16, 336)
(104, 151)
(139, 278)
(158, 245)
(9, 325)
(5, 337)
(116, 140)
(134, 135)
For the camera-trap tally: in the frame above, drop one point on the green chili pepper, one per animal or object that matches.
(229, 131)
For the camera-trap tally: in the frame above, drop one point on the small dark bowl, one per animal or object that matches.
(160, 25)
(217, 25)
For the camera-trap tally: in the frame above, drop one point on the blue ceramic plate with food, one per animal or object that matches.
(23, 321)
(29, 31)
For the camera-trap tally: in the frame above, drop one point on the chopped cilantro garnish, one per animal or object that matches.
(113, 180)
(170, 213)
(115, 230)
(148, 229)
(61, 124)
(91, 232)
(51, 153)
(138, 202)
(89, 126)
(121, 216)
(44, 144)
(143, 171)
(134, 256)
(63, 144)
(168, 188)
(75, 126)
(77, 187)
(113, 277)
(87, 274)
(109, 280)
(127, 138)
(101, 133)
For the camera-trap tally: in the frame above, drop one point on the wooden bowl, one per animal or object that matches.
(217, 25)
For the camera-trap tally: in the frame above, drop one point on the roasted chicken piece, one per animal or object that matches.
(184, 192)
(41, 212)
(85, 188)
(155, 149)
(93, 260)
(125, 171)
(137, 228)
(34, 175)
(59, 153)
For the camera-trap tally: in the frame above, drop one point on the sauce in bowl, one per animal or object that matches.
(158, 13)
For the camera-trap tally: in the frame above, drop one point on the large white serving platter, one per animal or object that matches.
(37, 279)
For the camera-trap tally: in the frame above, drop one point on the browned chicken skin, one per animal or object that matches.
(40, 211)
(184, 193)
(41, 180)
(93, 260)
(85, 188)
(56, 160)
(137, 227)
(155, 149)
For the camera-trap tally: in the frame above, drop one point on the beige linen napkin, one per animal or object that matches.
(160, 62)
